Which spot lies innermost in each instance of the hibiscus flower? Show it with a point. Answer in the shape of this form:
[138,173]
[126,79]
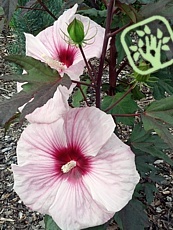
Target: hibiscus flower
[75,169]
[53,47]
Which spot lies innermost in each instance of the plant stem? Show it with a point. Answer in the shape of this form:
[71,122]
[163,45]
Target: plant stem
[122,66]
[85,99]
[120,99]
[127,115]
[112,67]
[86,63]
[83,83]
[46,9]
[119,30]
[104,48]
[29,8]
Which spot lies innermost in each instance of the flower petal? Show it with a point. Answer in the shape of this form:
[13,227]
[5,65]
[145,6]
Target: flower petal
[35,48]
[43,189]
[53,109]
[71,206]
[89,128]
[38,142]
[47,38]
[75,209]
[60,26]
[74,71]
[36,185]
[114,176]
[36,176]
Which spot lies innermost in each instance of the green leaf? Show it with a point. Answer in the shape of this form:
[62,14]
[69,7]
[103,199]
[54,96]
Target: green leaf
[147,30]
[165,48]
[146,1]
[37,71]
[41,84]
[50,223]
[156,8]
[149,189]
[160,87]
[100,227]
[1,19]
[149,143]
[133,216]
[136,93]
[164,84]
[128,10]
[125,106]
[159,116]
[119,47]
[68,4]
[77,95]
[9,7]
[9,107]
[128,1]
[98,16]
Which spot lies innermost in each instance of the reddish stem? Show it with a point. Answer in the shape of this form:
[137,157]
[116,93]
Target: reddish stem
[127,115]
[112,67]
[122,66]
[82,92]
[102,58]
[84,83]
[119,30]
[86,63]
[46,9]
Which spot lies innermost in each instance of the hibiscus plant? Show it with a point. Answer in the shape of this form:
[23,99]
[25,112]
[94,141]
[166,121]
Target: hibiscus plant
[87,156]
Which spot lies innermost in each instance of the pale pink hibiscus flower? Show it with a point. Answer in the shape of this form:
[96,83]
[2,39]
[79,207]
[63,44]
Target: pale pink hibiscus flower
[75,169]
[52,47]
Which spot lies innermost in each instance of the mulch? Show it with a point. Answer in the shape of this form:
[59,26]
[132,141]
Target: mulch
[15,215]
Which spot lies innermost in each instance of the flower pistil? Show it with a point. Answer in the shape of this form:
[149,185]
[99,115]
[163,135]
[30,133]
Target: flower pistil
[69,166]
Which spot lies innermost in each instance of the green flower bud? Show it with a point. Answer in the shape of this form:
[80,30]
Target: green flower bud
[76,31]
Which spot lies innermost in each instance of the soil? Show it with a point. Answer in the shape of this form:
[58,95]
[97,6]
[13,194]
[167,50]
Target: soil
[15,215]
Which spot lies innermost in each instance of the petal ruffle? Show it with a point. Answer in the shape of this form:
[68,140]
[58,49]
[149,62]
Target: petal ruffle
[113,177]
[53,109]
[89,128]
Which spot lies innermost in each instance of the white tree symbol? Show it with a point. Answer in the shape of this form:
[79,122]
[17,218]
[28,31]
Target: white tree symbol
[154,45]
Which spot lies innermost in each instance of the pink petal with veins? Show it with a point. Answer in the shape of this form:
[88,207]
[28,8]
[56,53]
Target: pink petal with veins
[100,183]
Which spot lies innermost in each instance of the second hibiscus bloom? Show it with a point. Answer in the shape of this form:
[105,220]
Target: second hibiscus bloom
[53,47]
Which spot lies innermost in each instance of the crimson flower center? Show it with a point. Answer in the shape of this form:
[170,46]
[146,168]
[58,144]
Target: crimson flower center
[67,55]
[70,160]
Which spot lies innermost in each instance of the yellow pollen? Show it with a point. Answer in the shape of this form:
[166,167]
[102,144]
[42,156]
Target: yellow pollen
[67,167]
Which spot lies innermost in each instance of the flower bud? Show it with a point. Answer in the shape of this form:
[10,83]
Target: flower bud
[76,31]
